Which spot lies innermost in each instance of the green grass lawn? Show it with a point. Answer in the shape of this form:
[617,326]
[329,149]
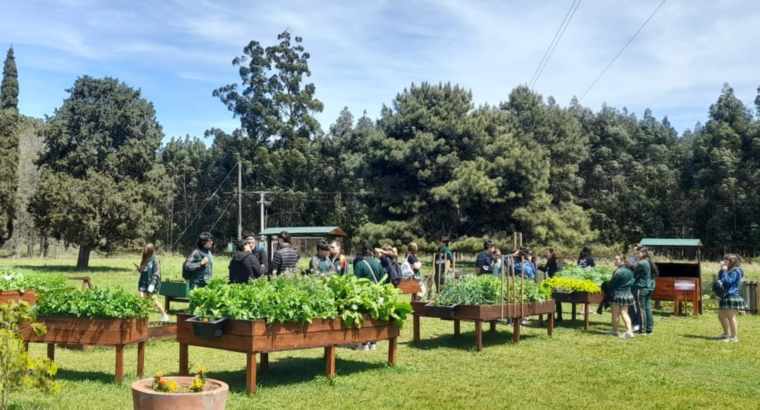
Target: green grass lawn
[679,367]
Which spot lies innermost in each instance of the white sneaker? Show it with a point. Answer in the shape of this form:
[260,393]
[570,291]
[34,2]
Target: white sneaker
[611,332]
[731,340]
[627,335]
[636,328]
[165,318]
[723,337]
[373,347]
[365,348]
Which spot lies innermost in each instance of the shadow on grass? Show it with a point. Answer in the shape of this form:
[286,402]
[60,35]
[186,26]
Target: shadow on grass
[699,337]
[466,341]
[294,370]
[71,269]
[104,377]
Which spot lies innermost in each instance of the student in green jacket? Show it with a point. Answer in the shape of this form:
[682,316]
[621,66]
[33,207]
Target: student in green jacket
[150,278]
[368,268]
[443,261]
[200,263]
[620,296]
[643,287]
[321,264]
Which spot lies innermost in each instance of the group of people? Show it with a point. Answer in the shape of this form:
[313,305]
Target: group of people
[629,291]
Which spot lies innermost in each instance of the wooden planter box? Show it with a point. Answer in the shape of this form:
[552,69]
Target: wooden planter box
[162,330]
[252,337]
[94,332]
[488,313]
[29,296]
[584,298]
[410,287]
[175,289]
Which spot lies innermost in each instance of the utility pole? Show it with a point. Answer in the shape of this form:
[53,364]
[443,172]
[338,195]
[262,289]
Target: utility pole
[263,203]
[240,198]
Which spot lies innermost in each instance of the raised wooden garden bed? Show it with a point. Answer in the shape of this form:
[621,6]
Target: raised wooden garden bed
[29,296]
[94,332]
[162,330]
[255,337]
[174,292]
[410,287]
[584,298]
[485,313]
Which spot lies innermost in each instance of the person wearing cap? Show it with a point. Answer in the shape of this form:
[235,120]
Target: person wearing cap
[442,260]
[484,262]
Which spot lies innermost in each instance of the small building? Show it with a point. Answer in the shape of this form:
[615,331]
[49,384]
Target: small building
[303,238]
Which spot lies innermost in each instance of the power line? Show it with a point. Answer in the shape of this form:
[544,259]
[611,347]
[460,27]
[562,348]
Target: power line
[621,50]
[555,41]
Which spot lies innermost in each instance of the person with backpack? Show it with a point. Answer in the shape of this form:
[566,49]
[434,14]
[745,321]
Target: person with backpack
[149,283]
[410,269]
[199,265]
[244,264]
[484,262]
[259,251]
[321,264]
[368,268]
[337,258]
[727,288]
[388,260]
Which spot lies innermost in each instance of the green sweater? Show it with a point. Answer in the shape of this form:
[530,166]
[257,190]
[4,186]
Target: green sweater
[621,282]
[151,275]
[442,255]
[362,271]
[200,274]
[643,278]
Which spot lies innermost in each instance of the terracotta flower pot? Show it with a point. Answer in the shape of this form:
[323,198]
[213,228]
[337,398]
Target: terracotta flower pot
[145,398]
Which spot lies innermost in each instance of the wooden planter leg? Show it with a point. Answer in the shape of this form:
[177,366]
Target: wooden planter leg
[330,361]
[392,348]
[140,358]
[183,363]
[26,346]
[51,350]
[167,302]
[119,363]
[264,361]
[541,319]
[457,329]
[585,314]
[551,325]
[250,373]
[573,312]
[516,330]
[479,335]
[492,326]
[416,322]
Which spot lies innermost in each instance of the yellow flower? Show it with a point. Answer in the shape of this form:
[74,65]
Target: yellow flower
[159,374]
[201,368]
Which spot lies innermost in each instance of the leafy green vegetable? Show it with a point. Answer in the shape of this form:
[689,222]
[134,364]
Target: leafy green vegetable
[107,303]
[569,284]
[299,299]
[597,275]
[487,290]
[12,280]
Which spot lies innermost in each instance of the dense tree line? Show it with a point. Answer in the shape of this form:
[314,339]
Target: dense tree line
[433,164]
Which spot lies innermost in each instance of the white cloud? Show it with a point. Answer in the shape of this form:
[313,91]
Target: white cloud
[363,53]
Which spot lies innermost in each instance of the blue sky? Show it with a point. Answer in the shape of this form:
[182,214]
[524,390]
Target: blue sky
[365,52]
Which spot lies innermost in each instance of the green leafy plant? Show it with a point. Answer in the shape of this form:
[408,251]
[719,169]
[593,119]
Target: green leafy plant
[568,284]
[358,297]
[94,303]
[12,280]
[597,275]
[488,290]
[17,369]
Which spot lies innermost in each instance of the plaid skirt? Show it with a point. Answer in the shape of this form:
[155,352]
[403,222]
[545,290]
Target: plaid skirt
[733,302]
[622,299]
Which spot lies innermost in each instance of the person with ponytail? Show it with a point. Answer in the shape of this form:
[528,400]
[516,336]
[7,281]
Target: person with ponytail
[728,283]
[150,278]
[620,296]
[643,287]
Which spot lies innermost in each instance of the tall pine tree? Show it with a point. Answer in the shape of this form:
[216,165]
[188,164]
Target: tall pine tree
[9,123]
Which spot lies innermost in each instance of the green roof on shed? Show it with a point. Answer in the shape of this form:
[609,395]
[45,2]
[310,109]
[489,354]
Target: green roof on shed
[692,243]
[306,231]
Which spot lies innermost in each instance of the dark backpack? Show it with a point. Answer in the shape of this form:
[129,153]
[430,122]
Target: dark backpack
[187,273]
[394,272]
